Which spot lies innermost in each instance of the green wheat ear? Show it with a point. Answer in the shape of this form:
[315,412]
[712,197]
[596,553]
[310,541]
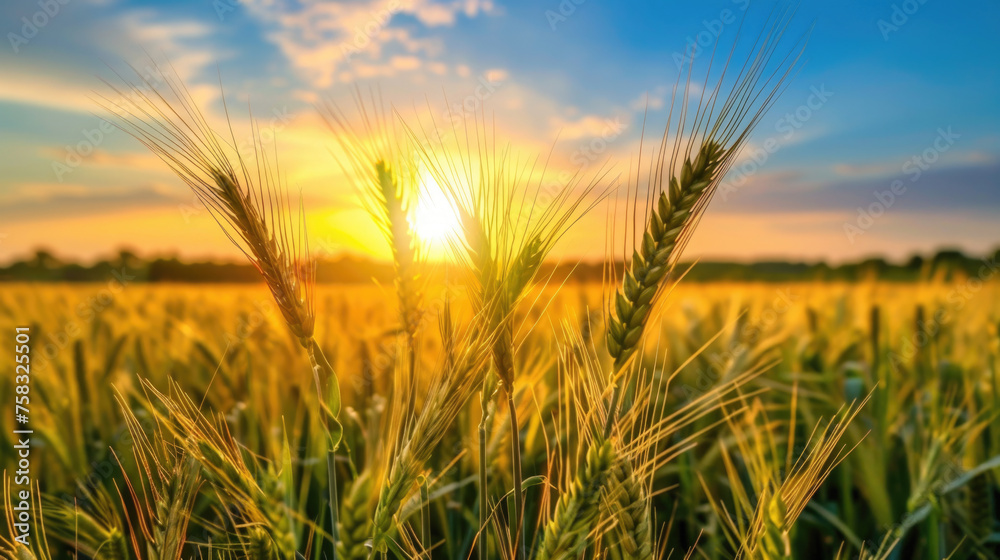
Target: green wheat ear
[578,508]
[652,260]
[356,519]
[635,539]
[774,541]
[260,546]
[20,552]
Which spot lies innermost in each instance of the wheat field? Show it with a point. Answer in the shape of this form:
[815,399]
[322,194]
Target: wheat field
[919,477]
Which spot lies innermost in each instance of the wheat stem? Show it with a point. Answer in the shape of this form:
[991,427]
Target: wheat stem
[517,522]
[425,517]
[483,494]
[486,402]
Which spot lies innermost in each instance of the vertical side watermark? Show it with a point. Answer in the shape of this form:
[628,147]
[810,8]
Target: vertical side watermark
[22,476]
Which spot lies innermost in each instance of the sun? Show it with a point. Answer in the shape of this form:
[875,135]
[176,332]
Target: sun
[434,218]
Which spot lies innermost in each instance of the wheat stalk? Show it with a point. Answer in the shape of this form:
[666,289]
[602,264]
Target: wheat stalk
[646,435]
[376,158]
[682,179]
[247,200]
[506,234]
[782,490]
[448,392]
[250,204]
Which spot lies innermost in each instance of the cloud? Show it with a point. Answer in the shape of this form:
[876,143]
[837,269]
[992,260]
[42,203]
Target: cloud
[70,87]
[652,100]
[590,126]
[887,169]
[968,187]
[330,41]
[35,201]
[48,91]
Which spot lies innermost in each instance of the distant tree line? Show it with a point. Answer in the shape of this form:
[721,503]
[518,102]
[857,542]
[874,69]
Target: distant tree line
[945,265]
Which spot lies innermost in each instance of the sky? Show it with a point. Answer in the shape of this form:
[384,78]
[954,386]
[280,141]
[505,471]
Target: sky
[885,141]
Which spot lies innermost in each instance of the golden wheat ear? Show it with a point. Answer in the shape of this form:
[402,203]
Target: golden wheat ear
[376,156]
[243,192]
[702,139]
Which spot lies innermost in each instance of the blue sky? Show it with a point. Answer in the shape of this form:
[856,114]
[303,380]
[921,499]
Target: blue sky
[882,82]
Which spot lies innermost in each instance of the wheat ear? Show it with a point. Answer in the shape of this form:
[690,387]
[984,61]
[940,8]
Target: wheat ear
[507,232]
[682,179]
[773,541]
[448,393]
[632,512]
[578,507]
[651,261]
[250,203]
[356,519]
[221,462]
[97,533]
[376,157]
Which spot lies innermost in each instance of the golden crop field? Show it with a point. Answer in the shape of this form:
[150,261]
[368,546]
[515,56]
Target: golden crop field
[188,414]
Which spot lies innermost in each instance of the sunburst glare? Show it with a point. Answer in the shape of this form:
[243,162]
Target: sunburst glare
[434,217]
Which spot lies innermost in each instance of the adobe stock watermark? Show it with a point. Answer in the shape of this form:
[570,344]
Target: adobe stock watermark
[223,7]
[486,87]
[264,135]
[696,44]
[32,25]
[563,11]
[75,154]
[786,128]
[899,17]
[590,151]
[913,168]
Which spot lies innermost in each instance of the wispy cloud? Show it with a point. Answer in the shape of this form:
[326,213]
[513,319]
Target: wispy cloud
[34,201]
